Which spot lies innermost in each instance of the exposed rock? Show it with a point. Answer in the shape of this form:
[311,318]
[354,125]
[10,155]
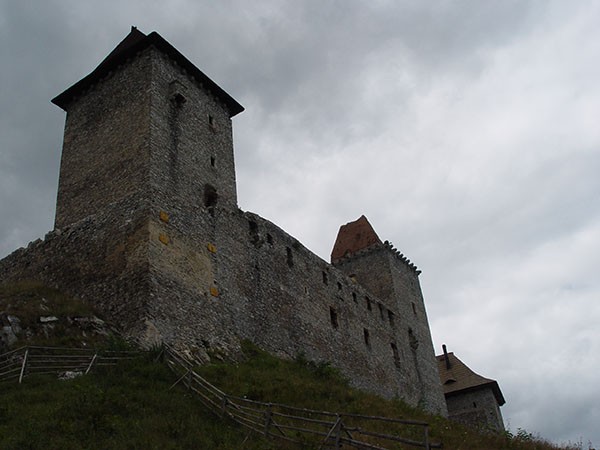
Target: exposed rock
[10,326]
[69,375]
[48,319]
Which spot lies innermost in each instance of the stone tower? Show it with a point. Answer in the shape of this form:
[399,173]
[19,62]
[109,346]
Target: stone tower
[145,126]
[389,275]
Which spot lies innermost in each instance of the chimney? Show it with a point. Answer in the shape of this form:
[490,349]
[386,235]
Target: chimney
[446,358]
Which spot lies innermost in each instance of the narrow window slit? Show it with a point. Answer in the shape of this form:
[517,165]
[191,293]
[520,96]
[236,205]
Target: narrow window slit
[333,317]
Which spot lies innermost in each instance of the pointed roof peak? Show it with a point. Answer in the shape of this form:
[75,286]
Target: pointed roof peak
[132,44]
[353,237]
[134,37]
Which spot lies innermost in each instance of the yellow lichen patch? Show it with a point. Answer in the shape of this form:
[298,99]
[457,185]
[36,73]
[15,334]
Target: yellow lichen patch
[164,238]
[164,217]
[214,291]
[211,248]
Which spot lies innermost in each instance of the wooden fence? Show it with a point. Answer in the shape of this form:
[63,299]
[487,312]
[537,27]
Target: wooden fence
[303,426]
[318,429]
[25,361]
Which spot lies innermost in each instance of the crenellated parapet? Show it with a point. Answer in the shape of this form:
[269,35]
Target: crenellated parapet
[400,256]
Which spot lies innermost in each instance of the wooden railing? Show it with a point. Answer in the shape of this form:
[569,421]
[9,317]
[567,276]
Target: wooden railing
[318,429]
[25,361]
[304,426]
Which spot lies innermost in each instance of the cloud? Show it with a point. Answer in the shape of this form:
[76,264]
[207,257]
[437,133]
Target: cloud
[465,131]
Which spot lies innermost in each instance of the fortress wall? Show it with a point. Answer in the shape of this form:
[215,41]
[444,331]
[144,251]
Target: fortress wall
[411,306]
[398,283]
[477,407]
[102,259]
[204,281]
[236,275]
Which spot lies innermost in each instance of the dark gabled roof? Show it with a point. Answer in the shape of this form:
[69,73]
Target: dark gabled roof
[352,237]
[133,43]
[459,378]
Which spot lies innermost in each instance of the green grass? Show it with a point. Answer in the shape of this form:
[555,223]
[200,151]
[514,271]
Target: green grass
[128,407]
[131,406]
[30,300]
[304,384]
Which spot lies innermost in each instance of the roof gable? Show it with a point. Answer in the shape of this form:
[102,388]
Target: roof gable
[458,378]
[352,237]
[135,42]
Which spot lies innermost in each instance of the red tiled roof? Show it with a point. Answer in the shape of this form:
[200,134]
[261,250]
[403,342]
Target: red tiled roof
[459,378]
[352,237]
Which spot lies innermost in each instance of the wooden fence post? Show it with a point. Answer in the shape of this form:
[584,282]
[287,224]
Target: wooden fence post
[268,419]
[91,363]
[338,434]
[23,366]
[224,405]
[427,447]
[335,429]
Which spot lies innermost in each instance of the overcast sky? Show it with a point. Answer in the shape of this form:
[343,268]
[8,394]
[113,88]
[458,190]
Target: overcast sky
[466,131]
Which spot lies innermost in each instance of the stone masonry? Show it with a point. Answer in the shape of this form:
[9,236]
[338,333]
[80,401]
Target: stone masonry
[148,229]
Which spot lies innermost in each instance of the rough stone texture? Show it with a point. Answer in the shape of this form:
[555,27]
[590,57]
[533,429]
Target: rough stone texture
[9,329]
[106,144]
[148,228]
[477,408]
[392,279]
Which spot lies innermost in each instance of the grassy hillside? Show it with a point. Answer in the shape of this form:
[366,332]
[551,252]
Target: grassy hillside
[131,406]
[47,315]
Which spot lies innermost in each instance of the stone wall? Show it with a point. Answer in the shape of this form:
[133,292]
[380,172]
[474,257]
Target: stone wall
[390,276]
[102,259]
[190,140]
[106,143]
[476,408]
[202,280]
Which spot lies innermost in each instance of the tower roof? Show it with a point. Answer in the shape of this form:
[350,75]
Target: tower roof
[352,237]
[133,43]
[456,377]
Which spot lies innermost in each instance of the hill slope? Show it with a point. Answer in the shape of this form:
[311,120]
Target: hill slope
[132,405]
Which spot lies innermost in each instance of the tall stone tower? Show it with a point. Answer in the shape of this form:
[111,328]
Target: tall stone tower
[389,275]
[145,126]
